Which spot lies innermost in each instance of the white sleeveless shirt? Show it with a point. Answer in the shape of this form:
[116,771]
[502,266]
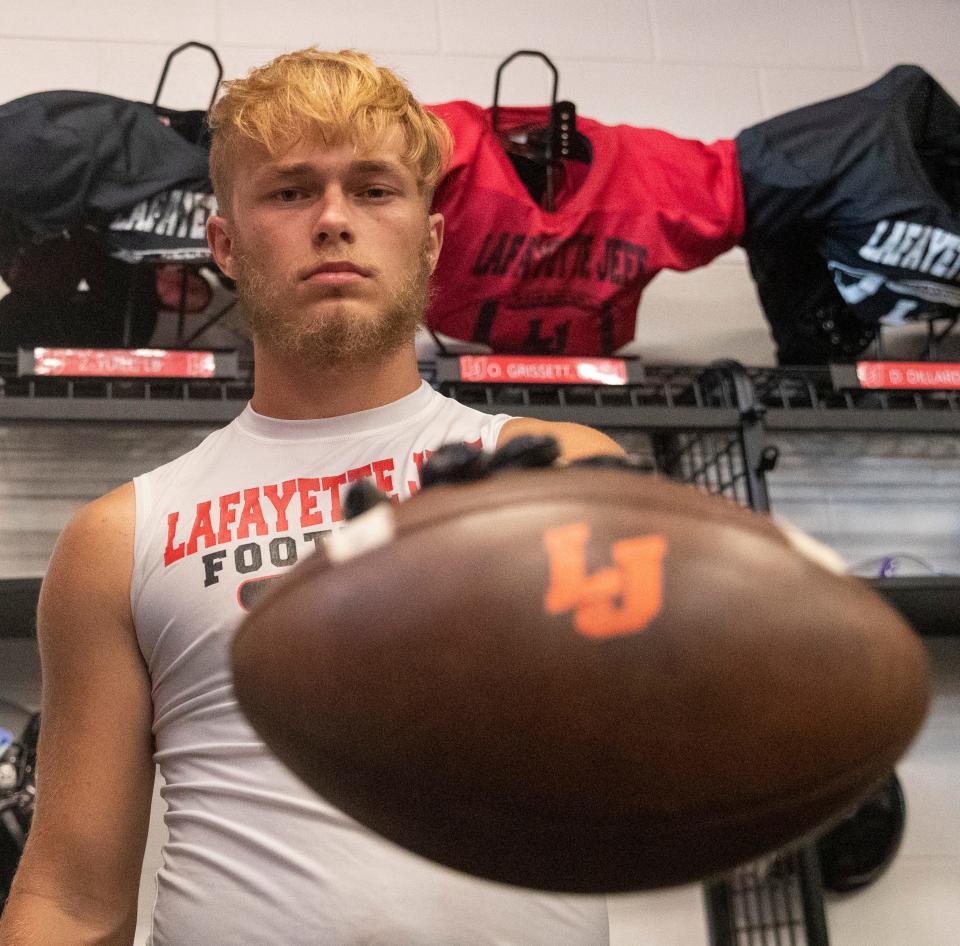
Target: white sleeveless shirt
[253,856]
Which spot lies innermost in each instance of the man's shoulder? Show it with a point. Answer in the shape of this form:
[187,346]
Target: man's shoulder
[93,554]
[111,513]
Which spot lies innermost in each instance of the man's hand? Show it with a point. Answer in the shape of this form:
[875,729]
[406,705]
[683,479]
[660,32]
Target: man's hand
[459,463]
[573,440]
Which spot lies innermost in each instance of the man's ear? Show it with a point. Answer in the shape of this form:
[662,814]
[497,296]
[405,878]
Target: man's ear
[220,241]
[434,239]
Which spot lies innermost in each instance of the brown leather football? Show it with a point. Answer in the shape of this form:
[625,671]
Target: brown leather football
[581,679]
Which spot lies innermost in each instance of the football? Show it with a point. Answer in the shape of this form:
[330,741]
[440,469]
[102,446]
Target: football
[579,679]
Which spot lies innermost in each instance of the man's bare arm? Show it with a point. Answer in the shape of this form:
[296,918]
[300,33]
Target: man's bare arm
[79,876]
[575,440]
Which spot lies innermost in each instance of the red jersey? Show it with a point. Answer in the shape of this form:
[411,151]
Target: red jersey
[522,279]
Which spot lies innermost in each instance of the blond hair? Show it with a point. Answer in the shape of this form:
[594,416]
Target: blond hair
[330,98]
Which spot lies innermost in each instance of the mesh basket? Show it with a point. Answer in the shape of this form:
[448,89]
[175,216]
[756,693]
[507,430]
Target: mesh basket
[778,901]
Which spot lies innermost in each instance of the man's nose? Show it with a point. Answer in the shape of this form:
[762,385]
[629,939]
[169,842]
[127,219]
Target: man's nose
[333,220]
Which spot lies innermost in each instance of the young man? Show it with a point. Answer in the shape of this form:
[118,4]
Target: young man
[323,166]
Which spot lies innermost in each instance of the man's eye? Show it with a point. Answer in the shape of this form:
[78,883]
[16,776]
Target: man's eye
[288,195]
[376,193]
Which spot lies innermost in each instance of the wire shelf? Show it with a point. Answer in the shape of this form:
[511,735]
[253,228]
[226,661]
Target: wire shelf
[667,397]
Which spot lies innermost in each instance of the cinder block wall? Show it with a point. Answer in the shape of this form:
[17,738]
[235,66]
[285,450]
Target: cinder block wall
[698,68]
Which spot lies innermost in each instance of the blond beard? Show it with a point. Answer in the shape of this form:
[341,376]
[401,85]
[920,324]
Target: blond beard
[335,337]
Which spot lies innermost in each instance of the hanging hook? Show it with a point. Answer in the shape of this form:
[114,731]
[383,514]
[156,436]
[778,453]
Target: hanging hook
[553,95]
[551,126]
[176,52]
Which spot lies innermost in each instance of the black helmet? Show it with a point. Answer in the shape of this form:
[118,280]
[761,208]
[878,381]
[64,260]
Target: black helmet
[19,730]
[858,849]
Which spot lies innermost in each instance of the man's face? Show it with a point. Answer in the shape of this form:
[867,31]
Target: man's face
[331,248]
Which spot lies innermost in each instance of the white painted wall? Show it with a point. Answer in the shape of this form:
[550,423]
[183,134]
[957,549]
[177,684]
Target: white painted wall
[698,68]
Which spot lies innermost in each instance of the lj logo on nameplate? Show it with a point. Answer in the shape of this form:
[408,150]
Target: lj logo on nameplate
[611,602]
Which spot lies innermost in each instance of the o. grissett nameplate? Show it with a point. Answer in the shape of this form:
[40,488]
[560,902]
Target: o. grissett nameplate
[534,369]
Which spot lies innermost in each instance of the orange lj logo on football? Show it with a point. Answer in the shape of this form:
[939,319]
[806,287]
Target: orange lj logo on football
[611,602]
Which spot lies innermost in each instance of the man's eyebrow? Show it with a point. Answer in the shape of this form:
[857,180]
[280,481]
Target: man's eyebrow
[368,166]
[301,169]
[284,171]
